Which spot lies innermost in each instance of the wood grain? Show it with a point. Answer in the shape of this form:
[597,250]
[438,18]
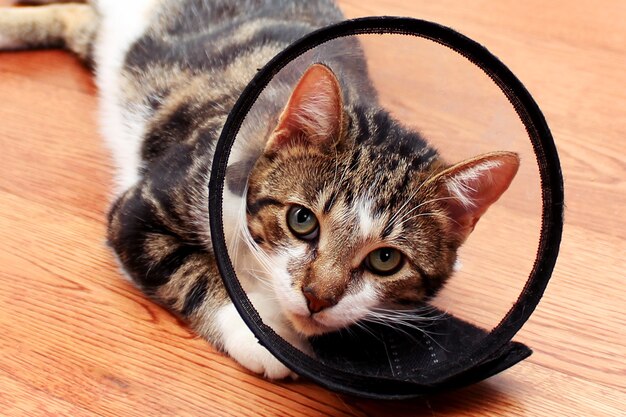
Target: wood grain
[79,340]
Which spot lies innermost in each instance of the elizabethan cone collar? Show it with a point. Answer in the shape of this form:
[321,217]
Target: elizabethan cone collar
[383,362]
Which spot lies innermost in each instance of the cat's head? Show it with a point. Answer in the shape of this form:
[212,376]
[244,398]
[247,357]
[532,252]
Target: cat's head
[353,212]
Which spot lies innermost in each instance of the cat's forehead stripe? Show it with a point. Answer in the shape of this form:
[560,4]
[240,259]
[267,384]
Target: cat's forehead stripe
[366,221]
[371,224]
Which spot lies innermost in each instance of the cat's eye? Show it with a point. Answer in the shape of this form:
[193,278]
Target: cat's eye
[303,223]
[384,261]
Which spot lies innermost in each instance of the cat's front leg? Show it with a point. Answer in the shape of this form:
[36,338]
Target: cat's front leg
[147,241]
[239,342]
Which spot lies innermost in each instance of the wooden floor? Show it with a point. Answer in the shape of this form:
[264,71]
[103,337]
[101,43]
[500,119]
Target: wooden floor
[76,339]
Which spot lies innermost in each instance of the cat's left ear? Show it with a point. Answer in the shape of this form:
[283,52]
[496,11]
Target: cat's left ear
[471,186]
[314,113]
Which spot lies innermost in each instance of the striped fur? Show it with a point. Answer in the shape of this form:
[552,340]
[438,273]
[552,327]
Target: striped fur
[169,72]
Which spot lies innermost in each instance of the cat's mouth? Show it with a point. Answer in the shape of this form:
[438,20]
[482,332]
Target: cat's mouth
[310,325]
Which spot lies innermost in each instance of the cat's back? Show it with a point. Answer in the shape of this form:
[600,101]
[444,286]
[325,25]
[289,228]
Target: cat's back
[210,35]
[212,16]
[183,74]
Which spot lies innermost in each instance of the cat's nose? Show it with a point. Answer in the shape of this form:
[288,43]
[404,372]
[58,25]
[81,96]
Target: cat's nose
[314,302]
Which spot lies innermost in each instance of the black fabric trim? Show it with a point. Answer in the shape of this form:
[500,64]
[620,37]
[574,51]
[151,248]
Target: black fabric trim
[490,354]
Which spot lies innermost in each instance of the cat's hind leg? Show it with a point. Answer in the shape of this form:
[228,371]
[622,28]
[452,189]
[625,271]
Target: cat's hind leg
[70,26]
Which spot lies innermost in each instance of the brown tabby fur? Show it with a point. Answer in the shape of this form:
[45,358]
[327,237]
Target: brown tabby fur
[183,77]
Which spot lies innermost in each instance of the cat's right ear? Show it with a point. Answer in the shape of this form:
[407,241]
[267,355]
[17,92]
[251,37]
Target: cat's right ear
[471,186]
[314,113]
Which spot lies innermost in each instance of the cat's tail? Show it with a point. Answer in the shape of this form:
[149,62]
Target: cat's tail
[70,26]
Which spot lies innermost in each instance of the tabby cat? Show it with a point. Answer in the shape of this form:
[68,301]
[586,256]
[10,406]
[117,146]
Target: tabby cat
[345,212]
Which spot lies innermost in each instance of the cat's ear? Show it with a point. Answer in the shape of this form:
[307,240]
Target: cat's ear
[471,186]
[314,113]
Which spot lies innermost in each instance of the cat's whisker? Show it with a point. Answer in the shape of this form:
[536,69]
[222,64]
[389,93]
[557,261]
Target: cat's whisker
[266,283]
[426,308]
[408,318]
[261,272]
[262,258]
[259,275]
[402,322]
[422,327]
[406,202]
[390,317]
[411,196]
[426,333]
[398,328]
[362,325]
[433,200]
[413,217]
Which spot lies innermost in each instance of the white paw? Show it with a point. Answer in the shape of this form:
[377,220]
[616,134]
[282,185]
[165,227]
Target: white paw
[245,349]
[239,342]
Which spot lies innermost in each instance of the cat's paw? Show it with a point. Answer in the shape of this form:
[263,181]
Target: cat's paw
[245,349]
[239,342]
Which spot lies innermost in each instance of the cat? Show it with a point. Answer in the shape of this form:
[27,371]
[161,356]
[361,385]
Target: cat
[345,211]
